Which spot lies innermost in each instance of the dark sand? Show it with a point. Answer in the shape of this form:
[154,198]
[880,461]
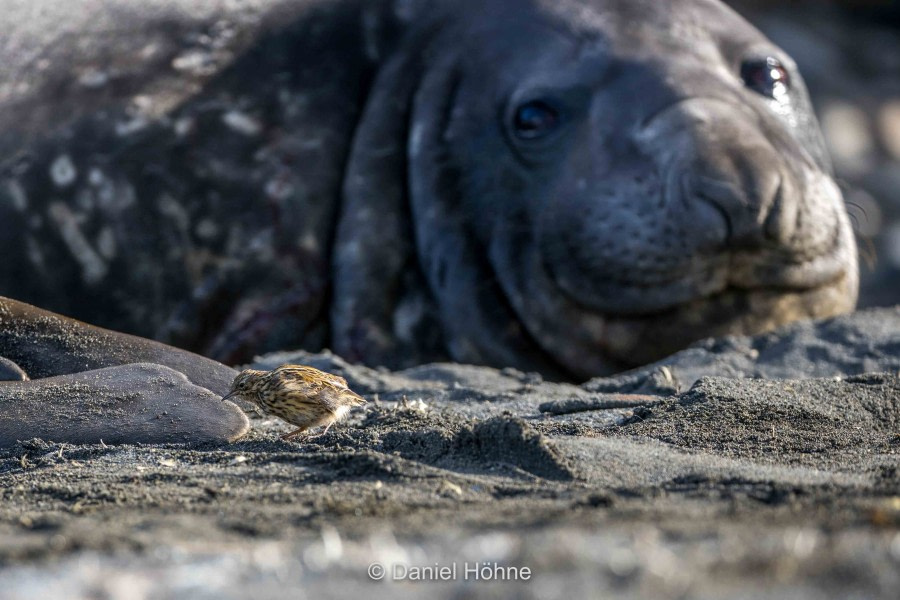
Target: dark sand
[737,487]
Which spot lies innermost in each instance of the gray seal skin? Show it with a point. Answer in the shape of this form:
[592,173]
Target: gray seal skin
[574,187]
[67,381]
[134,403]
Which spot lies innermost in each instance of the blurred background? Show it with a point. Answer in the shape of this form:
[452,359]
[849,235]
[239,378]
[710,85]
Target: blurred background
[849,54]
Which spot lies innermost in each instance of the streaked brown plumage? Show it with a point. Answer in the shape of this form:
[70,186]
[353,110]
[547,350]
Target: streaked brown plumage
[302,396]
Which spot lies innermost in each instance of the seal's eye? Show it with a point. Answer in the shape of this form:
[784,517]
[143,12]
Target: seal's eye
[766,76]
[535,119]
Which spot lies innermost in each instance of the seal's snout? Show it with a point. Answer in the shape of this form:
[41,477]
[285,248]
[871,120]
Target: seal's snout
[724,169]
[748,191]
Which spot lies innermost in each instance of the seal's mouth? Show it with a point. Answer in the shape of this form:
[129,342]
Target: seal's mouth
[645,338]
[629,340]
[704,281]
[657,281]
[737,293]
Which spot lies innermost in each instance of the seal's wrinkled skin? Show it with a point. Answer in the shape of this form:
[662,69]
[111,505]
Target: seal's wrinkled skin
[573,187]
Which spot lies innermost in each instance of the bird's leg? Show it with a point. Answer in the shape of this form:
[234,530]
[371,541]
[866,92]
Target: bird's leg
[327,427]
[293,434]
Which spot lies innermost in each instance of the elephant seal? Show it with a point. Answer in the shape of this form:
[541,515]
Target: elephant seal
[574,187]
[10,371]
[67,381]
[135,403]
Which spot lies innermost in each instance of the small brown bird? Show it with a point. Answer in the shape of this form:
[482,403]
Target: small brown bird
[302,396]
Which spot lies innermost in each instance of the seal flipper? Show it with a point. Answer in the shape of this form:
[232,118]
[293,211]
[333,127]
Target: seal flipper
[377,284]
[10,371]
[135,403]
[45,344]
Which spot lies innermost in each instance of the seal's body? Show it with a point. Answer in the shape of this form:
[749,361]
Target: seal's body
[572,187]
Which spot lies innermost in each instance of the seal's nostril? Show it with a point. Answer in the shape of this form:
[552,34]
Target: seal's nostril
[711,224]
[781,220]
[748,196]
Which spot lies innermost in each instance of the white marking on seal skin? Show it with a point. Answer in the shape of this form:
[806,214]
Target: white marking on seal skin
[242,123]
[17,195]
[415,139]
[96,177]
[309,242]
[149,51]
[407,317]
[261,245]
[313,143]
[106,243]
[370,33]
[141,104]
[84,198]
[206,229]
[279,189]
[195,62]
[404,9]
[132,126]
[93,79]
[169,207]
[33,250]
[63,171]
[350,251]
[93,269]
[111,198]
[183,126]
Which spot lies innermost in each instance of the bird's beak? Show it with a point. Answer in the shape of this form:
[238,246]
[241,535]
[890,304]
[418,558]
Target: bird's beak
[229,395]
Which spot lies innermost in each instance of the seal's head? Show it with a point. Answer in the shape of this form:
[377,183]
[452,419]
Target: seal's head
[597,183]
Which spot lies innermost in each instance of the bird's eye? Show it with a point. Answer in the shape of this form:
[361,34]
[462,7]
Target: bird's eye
[766,76]
[535,119]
